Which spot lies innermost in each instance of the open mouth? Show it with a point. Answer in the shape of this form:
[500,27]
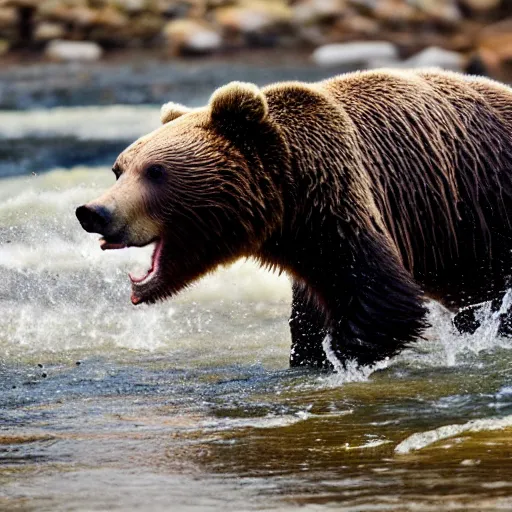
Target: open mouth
[155,265]
[140,284]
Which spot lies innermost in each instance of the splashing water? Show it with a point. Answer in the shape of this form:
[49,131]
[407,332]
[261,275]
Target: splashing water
[457,345]
[487,332]
[351,371]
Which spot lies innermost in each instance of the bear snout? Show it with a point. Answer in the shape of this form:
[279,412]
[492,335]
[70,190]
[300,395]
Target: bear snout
[94,219]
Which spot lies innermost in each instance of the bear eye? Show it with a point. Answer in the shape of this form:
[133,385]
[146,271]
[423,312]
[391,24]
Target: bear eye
[117,171]
[155,172]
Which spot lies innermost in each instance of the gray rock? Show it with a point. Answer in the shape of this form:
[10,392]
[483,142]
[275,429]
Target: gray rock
[69,51]
[346,54]
[436,57]
[191,36]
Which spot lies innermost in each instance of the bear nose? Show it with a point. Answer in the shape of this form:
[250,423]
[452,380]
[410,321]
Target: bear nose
[93,219]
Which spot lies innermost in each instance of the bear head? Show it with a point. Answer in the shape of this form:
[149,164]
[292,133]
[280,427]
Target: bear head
[205,188]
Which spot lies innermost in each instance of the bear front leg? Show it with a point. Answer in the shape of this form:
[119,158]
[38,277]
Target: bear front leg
[307,326]
[365,306]
[375,309]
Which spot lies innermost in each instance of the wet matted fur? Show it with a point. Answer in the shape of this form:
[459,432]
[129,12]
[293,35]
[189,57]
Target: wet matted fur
[373,190]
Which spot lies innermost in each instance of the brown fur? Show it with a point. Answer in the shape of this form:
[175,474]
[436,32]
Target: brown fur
[438,145]
[365,188]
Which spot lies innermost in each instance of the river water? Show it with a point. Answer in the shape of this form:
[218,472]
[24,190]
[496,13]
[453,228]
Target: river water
[189,404]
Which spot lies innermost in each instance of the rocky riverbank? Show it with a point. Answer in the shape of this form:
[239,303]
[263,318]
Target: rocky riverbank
[480,29]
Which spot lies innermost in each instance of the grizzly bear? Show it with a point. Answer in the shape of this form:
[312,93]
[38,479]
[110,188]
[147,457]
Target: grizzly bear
[373,190]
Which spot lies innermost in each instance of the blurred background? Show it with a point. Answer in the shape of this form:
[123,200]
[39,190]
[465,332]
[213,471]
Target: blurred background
[461,34]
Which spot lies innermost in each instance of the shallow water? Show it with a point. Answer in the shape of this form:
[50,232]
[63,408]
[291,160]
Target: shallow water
[189,404]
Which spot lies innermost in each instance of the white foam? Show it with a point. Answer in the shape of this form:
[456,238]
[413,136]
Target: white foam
[421,440]
[374,443]
[348,372]
[355,373]
[118,122]
[265,422]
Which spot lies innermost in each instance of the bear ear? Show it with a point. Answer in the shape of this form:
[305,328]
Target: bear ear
[238,102]
[171,111]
